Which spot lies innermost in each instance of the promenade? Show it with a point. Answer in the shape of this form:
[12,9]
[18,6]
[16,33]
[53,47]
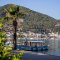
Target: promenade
[39,56]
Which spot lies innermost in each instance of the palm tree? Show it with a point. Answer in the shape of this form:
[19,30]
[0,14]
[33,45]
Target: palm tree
[14,14]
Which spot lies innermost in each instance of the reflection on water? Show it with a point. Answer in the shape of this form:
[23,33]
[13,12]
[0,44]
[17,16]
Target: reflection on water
[54,47]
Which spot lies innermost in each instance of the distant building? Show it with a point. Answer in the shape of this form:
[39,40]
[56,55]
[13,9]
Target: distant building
[53,35]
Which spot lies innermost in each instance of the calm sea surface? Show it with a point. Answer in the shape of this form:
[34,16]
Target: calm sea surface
[54,47]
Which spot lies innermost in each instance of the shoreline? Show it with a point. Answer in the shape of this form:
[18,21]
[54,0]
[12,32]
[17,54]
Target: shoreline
[39,56]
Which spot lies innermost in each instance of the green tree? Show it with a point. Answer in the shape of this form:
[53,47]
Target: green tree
[5,51]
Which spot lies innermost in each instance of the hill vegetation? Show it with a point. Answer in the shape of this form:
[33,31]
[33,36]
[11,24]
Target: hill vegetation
[32,21]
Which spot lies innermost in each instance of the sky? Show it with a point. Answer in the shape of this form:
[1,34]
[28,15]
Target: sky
[49,7]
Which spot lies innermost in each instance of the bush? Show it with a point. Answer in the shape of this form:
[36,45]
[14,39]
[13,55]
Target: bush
[5,51]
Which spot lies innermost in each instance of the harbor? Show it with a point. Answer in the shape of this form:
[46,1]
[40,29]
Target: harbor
[39,56]
[49,46]
[29,30]
[32,45]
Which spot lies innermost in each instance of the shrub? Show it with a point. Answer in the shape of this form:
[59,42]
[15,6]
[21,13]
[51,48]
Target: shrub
[5,51]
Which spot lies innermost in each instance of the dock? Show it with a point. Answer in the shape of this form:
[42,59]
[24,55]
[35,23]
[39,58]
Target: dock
[39,56]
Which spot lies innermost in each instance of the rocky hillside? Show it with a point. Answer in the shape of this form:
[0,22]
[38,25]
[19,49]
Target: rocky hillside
[32,21]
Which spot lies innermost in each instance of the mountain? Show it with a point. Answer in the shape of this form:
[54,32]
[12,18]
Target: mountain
[32,20]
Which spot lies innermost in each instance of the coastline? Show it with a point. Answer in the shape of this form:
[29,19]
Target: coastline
[39,56]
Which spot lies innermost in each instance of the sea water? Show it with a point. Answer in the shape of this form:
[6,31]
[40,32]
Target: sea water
[54,47]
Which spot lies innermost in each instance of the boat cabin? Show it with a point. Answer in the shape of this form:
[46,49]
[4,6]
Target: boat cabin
[33,45]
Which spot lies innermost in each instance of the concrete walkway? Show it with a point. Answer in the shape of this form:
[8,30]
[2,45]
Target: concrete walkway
[39,56]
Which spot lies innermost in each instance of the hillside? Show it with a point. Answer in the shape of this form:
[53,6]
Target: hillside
[32,21]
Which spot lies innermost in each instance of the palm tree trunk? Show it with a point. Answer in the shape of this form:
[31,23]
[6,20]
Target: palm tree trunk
[15,35]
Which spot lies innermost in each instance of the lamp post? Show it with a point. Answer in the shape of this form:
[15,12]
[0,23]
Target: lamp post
[15,35]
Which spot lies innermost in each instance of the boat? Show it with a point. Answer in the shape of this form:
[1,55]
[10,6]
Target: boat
[33,45]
